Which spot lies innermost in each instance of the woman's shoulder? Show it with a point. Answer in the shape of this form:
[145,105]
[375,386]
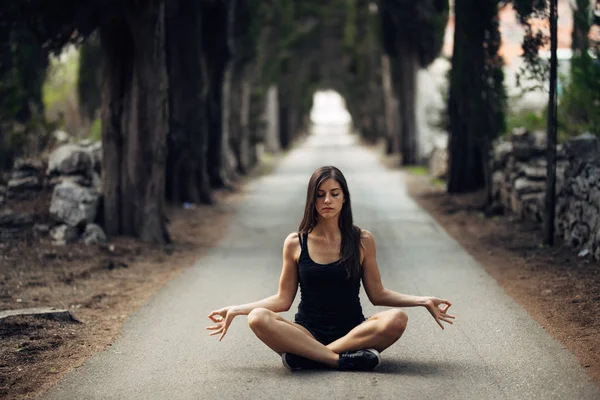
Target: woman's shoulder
[291,245]
[366,238]
[292,241]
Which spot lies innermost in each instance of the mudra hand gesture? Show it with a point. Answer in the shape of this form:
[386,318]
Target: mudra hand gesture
[222,318]
[432,304]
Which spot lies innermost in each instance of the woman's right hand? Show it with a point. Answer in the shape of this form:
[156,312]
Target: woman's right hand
[222,319]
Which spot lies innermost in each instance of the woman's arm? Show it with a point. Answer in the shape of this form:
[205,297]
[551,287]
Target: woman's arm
[288,282]
[380,296]
[282,301]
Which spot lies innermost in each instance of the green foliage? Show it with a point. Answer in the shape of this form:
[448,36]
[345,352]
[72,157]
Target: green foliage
[534,71]
[60,90]
[579,105]
[421,23]
[417,170]
[530,120]
[350,26]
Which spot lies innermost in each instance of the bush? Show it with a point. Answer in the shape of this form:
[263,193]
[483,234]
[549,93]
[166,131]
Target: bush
[530,120]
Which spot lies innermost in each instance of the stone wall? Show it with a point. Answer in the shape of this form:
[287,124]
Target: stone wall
[519,173]
[72,171]
[519,184]
[518,163]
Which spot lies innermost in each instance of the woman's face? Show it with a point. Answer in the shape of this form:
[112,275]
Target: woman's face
[330,199]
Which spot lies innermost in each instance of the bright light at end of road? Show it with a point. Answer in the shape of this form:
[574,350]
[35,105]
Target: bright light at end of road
[329,108]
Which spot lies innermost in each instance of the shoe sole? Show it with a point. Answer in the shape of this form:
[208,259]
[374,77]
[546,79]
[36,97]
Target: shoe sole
[378,356]
[285,364]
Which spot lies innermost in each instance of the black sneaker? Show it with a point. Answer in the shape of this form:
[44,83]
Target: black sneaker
[294,362]
[361,360]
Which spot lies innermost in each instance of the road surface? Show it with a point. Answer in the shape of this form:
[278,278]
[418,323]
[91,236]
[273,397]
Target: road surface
[493,351]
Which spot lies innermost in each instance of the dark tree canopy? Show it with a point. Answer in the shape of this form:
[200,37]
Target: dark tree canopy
[184,83]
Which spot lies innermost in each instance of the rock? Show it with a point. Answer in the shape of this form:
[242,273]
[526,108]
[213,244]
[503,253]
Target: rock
[579,234]
[61,137]
[532,206]
[31,183]
[25,178]
[497,183]
[69,159]
[22,174]
[540,139]
[33,165]
[85,143]
[535,173]
[73,204]
[501,151]
[584,147]
[93,234]
[81,180]
[41,229]
[52,313]
[96,182]
[95,151]
[525,145]
[10,219]
[63,234]
[13,225]
[438,163]
[524,186]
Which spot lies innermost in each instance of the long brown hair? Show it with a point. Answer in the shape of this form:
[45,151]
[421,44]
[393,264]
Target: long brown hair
[350,246]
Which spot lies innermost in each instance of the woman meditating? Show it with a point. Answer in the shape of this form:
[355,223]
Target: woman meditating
[328,257]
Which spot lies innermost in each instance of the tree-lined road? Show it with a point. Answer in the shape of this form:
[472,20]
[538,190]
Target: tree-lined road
[493,351]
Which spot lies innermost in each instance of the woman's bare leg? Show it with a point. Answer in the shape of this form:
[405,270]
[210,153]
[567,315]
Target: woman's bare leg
[378,332]
[284,336]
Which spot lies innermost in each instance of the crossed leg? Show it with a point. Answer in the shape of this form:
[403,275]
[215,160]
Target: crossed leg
[379,332]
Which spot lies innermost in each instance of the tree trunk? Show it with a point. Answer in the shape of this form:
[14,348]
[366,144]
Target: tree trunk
[550,203]
[246,157]
[285,138]
[239,120]
[135,125]
[272,141]
[580,41]
[229,121]
[390,107]
[215,26]
[408,66]
[466,164]
[187,175]
[477,97]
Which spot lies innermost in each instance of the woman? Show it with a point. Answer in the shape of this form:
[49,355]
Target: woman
[328,257]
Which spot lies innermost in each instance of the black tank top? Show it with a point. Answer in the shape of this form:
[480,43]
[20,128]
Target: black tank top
[328,296]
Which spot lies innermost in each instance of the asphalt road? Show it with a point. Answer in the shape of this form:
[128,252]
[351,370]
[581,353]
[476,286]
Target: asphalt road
[493,351]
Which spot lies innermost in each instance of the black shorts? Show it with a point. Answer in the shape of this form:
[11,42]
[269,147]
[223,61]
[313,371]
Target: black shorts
[326,334]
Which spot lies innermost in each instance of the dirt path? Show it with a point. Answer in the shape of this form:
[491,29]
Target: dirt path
[100,285]
[557,288]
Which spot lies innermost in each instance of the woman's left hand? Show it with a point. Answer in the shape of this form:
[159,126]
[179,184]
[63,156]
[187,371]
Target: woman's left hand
[432,304]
